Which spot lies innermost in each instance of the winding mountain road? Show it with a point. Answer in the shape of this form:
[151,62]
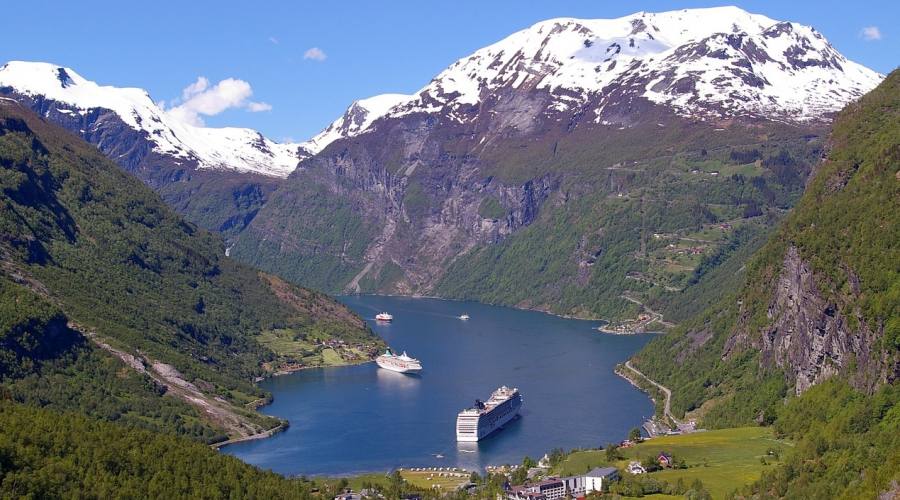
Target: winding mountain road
[668,404]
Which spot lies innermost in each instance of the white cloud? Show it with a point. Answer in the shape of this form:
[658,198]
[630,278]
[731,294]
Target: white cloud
[274,40]
[195,88]
[870,33]
[255,107]
[200,99]
[315,53]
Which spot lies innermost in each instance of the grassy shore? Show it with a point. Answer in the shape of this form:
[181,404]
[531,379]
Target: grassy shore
[723,459]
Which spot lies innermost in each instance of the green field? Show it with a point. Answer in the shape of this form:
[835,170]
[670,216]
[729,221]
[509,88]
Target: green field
[331,358]
[307,347]
[450,481]
[723,459]
[286,342]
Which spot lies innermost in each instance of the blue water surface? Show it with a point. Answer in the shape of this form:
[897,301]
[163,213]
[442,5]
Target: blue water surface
[361,418]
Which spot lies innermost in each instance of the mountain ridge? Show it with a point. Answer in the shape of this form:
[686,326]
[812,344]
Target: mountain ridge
[462,190]
[227,148]
[565,55]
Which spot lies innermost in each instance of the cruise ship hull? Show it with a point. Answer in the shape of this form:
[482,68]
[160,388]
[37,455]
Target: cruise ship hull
[473,427]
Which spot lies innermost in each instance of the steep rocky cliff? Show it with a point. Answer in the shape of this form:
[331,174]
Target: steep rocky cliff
[822,298]
[812,335]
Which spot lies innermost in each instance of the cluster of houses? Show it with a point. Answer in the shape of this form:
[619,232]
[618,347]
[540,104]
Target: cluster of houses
[548,488]
[565,487]
[685,251]
[663,459]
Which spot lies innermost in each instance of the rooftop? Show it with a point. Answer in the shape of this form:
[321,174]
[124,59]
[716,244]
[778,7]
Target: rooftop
[602,472]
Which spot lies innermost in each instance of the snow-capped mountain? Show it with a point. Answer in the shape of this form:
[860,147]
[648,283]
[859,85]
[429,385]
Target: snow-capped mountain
[413,194]
[63,91]
[716,62]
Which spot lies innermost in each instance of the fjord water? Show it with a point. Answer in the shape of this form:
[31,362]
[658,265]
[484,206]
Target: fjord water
[362,419]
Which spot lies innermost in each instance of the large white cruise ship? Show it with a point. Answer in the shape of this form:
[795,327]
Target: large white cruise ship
[474,424]
[402,363]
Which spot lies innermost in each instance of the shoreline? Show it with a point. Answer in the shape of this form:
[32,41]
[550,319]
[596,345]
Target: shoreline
[253,437]
[281,373]
[434,297]
[602,328]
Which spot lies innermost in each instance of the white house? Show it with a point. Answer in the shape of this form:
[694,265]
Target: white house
[599,477]
[636,468]
[553,488]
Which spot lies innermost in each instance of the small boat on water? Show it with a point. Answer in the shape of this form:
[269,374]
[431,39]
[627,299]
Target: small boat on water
[402,363]
[383,316]
[464,317]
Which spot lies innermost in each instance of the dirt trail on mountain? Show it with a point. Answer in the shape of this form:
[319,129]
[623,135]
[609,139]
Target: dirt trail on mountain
[213,408]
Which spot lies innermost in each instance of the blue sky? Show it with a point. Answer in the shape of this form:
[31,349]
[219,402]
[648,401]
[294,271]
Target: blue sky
[365,47]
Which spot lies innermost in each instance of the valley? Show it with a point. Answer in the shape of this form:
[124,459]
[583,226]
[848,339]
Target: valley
[684,219]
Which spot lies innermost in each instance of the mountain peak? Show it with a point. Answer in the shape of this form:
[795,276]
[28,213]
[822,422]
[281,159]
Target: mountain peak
[358,117]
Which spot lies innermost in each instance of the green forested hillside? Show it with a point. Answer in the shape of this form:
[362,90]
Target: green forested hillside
[845,445]
[846,220]
[45,454]
[95,263]
[737,362]
[45,363]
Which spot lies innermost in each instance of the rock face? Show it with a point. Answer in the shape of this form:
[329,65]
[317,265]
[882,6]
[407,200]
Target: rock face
[811,338]
[418,205]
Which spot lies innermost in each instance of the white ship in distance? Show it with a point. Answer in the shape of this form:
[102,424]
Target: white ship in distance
[383,316]
[478,422]
[402,363]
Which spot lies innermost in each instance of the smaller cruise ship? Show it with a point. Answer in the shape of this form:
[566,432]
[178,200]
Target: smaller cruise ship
[464,317]
[402,363]
[383,316]
[476,423]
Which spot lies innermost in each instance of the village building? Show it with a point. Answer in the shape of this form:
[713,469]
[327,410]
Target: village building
[548,489]
[599,478]
[635,467]
[572,486]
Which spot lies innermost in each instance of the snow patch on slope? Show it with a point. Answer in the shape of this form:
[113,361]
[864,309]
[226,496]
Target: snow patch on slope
[357,119]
